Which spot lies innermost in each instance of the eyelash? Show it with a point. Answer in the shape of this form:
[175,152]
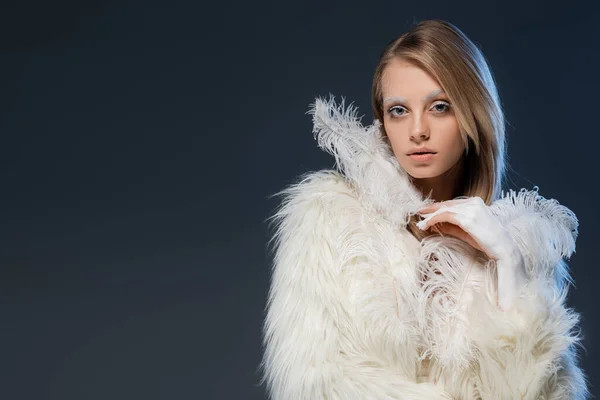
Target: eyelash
[445,103]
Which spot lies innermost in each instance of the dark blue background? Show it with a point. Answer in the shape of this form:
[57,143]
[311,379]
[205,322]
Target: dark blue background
[140,141]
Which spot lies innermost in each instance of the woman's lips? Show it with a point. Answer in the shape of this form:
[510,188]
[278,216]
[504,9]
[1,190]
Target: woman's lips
[422,157]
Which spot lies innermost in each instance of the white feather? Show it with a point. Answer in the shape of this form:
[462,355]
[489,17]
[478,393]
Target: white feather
[363,157]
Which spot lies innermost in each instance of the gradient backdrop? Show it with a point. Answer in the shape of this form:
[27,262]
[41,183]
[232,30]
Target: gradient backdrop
[140,143]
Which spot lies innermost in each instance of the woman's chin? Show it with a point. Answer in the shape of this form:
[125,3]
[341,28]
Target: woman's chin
[422,174]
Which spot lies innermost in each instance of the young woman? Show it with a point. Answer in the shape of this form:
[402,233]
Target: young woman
[407,273]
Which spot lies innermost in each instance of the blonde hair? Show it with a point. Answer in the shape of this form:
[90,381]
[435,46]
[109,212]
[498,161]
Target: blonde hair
[444,52]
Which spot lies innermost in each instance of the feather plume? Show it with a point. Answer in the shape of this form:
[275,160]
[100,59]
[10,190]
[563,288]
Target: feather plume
[365,159]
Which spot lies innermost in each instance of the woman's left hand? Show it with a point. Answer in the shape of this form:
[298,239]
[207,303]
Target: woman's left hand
[472,221]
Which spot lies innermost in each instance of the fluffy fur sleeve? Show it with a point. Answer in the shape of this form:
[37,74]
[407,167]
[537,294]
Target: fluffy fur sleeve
[529,352]
[310,351]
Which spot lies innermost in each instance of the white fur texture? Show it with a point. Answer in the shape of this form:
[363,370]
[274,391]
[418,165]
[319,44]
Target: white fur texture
[350,316]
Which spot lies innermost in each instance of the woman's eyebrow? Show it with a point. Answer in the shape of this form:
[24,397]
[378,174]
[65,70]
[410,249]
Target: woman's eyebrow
[432,95]
[403,100]
[394,99]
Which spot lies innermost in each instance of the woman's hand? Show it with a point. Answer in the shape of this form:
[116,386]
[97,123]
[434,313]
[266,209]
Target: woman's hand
[471,221]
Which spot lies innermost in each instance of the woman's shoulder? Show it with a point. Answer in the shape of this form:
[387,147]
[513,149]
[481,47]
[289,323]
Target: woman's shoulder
[324,190]
[545,229]
[525,204]
[321,205]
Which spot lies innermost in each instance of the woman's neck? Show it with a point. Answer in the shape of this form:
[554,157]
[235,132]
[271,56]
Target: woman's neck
[443,187]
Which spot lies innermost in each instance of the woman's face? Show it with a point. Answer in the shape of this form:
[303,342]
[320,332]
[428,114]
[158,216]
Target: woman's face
[418,117]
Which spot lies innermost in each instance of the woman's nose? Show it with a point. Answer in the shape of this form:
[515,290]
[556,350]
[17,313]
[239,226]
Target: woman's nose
[419,130]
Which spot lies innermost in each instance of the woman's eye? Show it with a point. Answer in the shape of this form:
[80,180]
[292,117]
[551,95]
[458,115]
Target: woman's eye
[441,107]
[396,111]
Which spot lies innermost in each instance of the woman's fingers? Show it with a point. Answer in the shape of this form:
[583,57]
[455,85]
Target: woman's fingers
[446,216]
[446,224]
[435,206]
[448,229]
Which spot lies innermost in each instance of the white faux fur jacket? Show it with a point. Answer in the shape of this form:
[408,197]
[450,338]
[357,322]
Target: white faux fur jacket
[360,309]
